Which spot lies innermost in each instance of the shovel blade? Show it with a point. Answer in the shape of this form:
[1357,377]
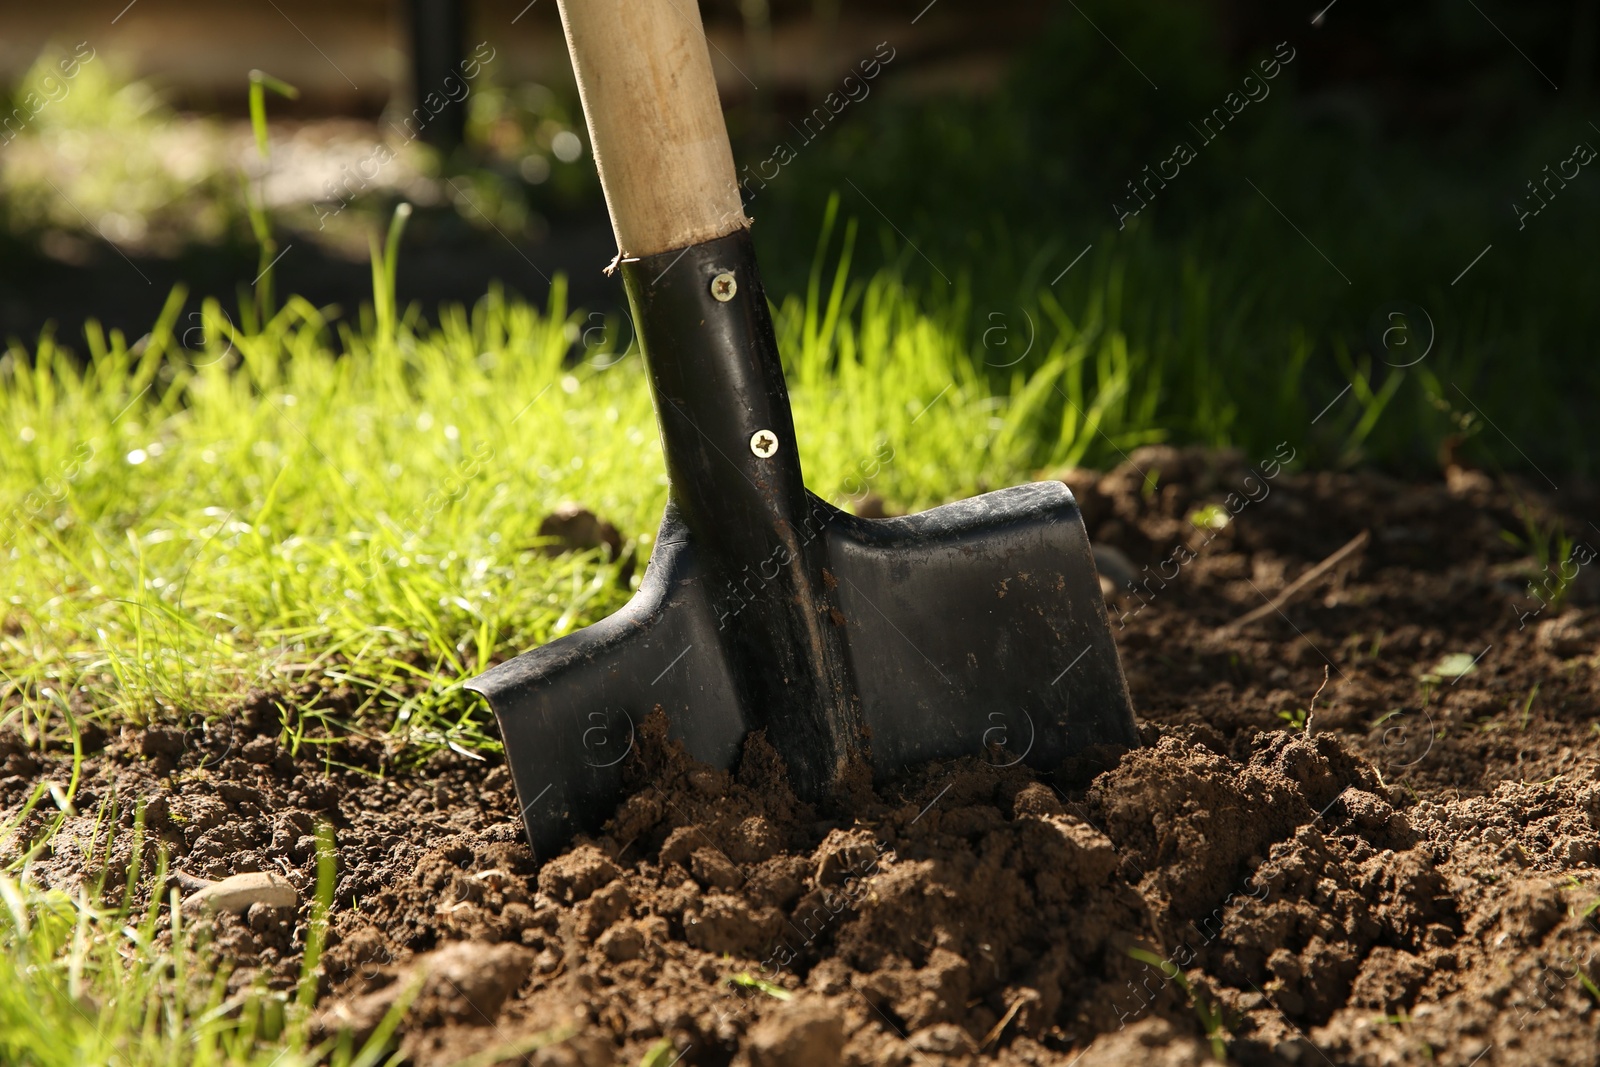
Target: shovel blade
[979,628]
[976,628]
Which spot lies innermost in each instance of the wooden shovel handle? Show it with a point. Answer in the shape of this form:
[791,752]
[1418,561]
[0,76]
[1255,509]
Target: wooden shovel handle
[655,122]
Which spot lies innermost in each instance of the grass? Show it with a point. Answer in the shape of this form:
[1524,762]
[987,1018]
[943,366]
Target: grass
[255,201]
[1282,256]
[1209,1015]
[1527,708]
[1208,319]
[104,158]
[354,504]
[659,1054]
[1294,719]
[746,980]
[1551,552]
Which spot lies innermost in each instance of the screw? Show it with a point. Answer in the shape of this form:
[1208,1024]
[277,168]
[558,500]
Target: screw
[723,286]
[764,443]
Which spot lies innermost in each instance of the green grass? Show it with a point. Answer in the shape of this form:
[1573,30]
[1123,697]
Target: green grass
[1268,273]
[746,980]
[356,505]
[150,177]
[1209,1015]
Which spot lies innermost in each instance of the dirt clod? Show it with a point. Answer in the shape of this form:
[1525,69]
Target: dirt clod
[798,1034]
[574,528]
[574,876]
[1150,1043]
[468,983]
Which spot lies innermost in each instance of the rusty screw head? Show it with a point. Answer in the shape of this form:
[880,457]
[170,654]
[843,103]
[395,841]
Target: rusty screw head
[764,443]
[723,286]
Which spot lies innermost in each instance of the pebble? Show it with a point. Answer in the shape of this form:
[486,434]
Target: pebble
[237,893]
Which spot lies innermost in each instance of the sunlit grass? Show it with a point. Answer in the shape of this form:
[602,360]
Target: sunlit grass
[212,509]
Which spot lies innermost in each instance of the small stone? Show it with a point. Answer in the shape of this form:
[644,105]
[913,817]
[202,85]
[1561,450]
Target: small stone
[944,1039]
[238,893]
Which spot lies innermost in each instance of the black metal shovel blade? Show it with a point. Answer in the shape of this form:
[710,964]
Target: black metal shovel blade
[976,628]
[979,628]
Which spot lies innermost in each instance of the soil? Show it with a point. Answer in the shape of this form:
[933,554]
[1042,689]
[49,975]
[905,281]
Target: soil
[1338,843]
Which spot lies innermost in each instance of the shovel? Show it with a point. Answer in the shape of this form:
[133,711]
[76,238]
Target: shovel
[977,628]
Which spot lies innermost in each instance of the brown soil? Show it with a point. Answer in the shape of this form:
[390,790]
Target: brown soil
[1408,877]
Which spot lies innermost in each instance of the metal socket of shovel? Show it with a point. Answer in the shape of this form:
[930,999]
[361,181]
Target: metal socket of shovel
[977,628]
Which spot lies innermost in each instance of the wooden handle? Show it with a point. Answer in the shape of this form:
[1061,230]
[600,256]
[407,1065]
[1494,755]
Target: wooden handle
[644,74]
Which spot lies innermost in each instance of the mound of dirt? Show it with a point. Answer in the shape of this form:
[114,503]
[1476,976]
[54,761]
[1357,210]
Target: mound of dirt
[1398,868]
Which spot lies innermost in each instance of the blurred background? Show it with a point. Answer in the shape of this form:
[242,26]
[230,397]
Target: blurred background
[1373,220]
